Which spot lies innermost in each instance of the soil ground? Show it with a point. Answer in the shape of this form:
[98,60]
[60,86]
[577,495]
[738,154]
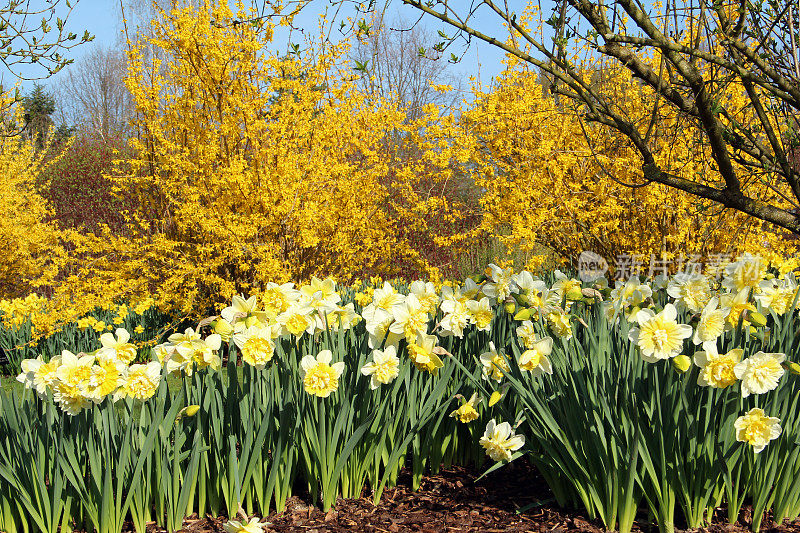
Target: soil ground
[453,501]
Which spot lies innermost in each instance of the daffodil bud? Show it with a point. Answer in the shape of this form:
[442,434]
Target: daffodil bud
[521,298]
[223,328]
[757,319]
[510,307]
[189,410]
[495,397]
[575,293]
[479,278]
[681,363]
[794,368]
[523,314]
[591,294]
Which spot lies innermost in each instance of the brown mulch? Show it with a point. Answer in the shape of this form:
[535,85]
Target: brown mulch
[453,501]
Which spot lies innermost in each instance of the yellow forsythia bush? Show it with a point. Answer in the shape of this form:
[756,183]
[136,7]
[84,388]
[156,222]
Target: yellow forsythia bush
[252,166]
[556,181]
[27,240]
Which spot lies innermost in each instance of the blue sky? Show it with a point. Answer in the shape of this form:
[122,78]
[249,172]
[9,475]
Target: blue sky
[101,18]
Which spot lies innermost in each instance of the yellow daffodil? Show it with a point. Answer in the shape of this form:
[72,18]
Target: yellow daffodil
[466,412]
[693,291]
[760,373]
[712,322]
[717,370]
[278,298]
[203,353]
[377,322]
[746,273]
[738,304]
[384,367]
[681,363]
[777,295]
[499,441]
[234,526]
[530,290]
[410,318]
[342,316]
[243,313]
[481,314]
[559,321]
[140,381]
[495,365]
[223,328]
[565,286]
[527,334]
[387,297]
[256,345]
[535,360]
[72,379]
[320,378]
[659,336]
[455,319]
[426,294]
[630,292]
[188,335]
[757,429]
[319,294]
[500,286]
[38,375]
[297,320]
[117,349]
[74,370]
[104,380]
[423,354]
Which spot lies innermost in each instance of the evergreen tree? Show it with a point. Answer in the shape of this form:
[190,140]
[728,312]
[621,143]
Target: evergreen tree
[38,105]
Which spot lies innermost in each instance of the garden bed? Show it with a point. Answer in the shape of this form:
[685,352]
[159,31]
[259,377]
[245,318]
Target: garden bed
[453,501]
